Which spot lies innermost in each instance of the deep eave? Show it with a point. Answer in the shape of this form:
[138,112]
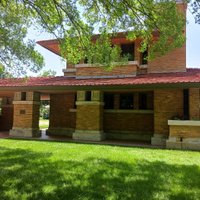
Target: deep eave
[191,78]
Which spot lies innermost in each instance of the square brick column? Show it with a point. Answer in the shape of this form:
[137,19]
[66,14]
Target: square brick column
[89,117]
[167,104]
[194,103]
[26,115]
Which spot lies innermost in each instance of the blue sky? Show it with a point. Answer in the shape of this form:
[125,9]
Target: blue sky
[54,62]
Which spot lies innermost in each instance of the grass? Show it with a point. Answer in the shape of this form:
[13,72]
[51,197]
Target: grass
[44,123]
[57,170]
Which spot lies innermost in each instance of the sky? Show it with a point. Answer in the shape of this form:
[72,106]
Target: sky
[55,63]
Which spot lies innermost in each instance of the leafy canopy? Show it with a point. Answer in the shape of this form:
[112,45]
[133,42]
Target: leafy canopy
[73,22]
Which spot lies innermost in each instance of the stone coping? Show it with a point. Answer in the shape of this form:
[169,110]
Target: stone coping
[26,102]
[89,103]
[69,70]
[184,122]
[93,65]
[128,111]
[121,111]
[143,66]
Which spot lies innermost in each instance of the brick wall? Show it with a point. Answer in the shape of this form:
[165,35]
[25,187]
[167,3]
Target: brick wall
[128,122]
[60,115]
[89,117]
[26,115]
[99,71]
[6,119]
[167,104]
[185,131]
[174,61]
[194,103]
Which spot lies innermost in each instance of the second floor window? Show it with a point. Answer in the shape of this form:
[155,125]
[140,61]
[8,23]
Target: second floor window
[128,50]
[144,56]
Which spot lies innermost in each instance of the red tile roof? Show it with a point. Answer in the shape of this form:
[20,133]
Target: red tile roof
[191,76]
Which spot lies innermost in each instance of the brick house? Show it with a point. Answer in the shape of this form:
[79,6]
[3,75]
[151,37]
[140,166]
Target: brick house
[156,102]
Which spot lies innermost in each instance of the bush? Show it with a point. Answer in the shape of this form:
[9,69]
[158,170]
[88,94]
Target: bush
[44,111]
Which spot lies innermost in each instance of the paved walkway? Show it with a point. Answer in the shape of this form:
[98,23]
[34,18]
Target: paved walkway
[67,139]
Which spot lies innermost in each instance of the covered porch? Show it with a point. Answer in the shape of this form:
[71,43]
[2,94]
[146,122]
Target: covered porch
[124,109]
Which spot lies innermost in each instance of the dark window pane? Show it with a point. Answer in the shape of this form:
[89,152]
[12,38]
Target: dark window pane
[85,60]
[126,101]
[142,101]
[128,50]
[144,58]
[23,96]
[186,104]
[75,99]
[88,95]
[108,101]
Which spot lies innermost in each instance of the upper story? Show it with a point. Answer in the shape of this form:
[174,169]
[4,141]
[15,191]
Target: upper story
[174,61]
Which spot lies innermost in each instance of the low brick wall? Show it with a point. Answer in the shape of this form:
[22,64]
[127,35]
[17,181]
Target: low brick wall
[184,135]
[90,71]
[130,125]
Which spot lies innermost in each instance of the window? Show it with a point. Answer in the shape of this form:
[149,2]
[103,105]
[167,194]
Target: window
[128,50]
[186,104]
[23,96]
[75,99]
[126,101]
[142,101]
[145,101]
[88,95]
[85,60]
[144,56]
[108,101]
[0,106]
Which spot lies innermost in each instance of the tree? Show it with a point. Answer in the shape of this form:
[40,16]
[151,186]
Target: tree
[47,73]
[16,54]
[73,22]
[195,5]
[3,73]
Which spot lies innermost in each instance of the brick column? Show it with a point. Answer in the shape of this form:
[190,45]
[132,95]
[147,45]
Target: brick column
[194,103]
[26,114]
[167,104]
[6,115]
[89,117]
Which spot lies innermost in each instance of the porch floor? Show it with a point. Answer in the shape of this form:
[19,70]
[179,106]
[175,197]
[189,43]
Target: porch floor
[44,137]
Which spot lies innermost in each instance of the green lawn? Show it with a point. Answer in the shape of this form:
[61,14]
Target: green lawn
[44,123]
[57,170]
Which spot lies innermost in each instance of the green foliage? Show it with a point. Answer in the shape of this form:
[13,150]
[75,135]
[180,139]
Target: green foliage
[76,21]
[195,7]
[4,73]
[57,171]
[47,73]
[44,123]
[44,109]
[16,54]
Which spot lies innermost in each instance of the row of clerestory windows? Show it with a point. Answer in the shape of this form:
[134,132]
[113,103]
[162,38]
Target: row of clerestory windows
[129,101]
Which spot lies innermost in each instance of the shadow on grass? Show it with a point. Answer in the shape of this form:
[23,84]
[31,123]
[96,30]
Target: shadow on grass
[27,174]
